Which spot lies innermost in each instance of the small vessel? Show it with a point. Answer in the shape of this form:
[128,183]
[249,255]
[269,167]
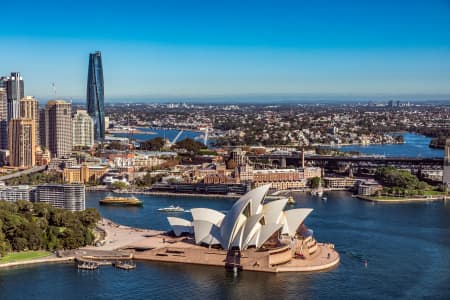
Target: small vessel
[324,198]
[171,209]
[291,200]
[87,265]
[123,201]
[317,192]
[125,265]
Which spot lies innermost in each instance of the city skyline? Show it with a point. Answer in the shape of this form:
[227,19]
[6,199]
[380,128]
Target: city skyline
[307,51]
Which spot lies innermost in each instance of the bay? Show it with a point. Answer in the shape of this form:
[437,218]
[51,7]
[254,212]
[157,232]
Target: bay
[407,247]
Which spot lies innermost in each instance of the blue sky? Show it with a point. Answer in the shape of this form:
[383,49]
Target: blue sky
[318,49]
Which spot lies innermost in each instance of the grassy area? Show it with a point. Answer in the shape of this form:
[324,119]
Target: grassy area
[434,193]
[25,255]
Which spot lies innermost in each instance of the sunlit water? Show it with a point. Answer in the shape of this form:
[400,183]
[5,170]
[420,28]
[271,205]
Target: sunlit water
[415,145]
[407,247]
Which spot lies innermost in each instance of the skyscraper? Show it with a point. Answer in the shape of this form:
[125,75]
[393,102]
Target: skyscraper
[15,92]
[95,94]
[3,114]
[22,144]
[83,129]
[446,173]
[29,109]
[58,128]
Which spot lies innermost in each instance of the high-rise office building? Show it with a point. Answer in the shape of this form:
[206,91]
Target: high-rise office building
[42,139]
[14,92]
[3,80]
[446,173]
[3,116]
[95,94]
[3,104]
[58,128]
[29,109]
[68,196]
[83,129]
[22,143]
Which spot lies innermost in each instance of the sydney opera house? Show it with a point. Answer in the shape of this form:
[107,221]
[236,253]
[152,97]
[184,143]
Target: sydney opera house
[255,234]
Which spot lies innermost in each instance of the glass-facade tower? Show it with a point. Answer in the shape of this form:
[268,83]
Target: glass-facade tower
[14,92]
[95,94]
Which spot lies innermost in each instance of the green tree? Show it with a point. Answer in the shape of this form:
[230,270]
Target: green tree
[155,144]
[24,225]
[119,185]
[315,182]
[189,145]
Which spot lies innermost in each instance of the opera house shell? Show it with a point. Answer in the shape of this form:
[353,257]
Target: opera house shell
[250,223]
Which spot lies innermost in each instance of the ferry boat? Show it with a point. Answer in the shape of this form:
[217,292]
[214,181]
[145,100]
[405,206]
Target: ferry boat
[171,209]
[112,200]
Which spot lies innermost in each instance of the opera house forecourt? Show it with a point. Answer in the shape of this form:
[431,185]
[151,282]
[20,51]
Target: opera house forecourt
[255,235]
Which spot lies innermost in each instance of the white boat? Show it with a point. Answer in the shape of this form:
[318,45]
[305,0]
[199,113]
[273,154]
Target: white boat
[171,209]
[318,193]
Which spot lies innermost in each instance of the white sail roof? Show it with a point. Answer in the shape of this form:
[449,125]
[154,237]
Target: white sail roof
[207,214]
[202,229]
[266,232]
[294,218]
[180,226]
[273,211]
[248,222]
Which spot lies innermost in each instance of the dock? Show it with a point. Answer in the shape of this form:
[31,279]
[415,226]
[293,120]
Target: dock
[125,265]
[87,265]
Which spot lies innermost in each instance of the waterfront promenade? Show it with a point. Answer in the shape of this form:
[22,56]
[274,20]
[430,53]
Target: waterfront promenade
[154,245]
[46,260]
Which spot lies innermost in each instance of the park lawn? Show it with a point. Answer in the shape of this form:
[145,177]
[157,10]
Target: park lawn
[388,197]
[434,193]
[25,255]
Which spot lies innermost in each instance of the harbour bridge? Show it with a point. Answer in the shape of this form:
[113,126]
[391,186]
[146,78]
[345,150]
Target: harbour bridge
[333,162]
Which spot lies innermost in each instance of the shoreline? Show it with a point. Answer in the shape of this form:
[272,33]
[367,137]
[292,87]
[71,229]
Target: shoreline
[224,196]
[401,200]
[46,260]
[179,194]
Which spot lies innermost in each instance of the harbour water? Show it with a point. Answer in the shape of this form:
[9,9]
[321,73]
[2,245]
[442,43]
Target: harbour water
[415,145]
[151,133]
[406,246]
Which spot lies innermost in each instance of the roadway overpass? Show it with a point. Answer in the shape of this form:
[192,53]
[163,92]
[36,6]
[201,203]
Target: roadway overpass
[24,172]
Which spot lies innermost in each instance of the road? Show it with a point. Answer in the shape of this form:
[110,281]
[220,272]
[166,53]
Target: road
[24,172]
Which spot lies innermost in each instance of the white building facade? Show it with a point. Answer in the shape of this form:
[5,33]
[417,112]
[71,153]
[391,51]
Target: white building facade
[83,129]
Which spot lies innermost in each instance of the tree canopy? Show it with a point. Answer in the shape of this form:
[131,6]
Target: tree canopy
[34,226]
[189,145]
[393,177]
[155,144]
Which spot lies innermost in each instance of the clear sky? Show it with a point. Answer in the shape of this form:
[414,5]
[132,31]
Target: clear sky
[199,48]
